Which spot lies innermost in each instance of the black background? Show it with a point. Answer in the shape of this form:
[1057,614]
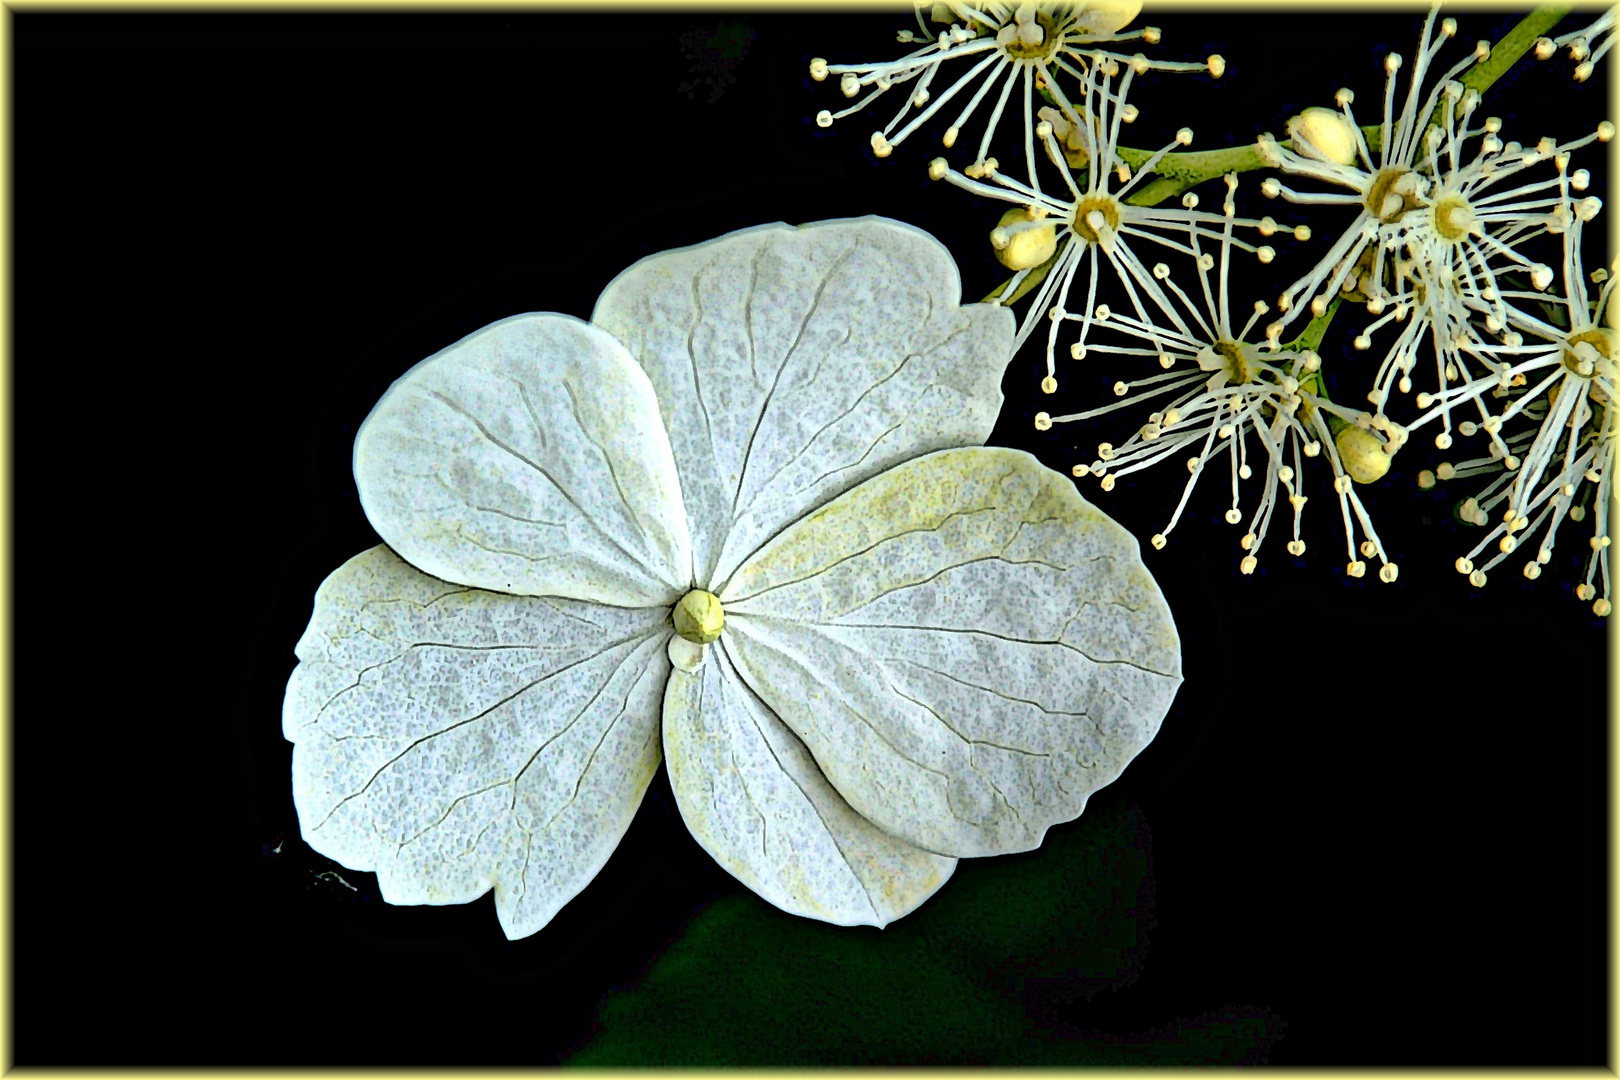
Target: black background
[1376,811]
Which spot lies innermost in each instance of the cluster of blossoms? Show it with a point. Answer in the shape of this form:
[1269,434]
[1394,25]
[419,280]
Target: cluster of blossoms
[1464,250]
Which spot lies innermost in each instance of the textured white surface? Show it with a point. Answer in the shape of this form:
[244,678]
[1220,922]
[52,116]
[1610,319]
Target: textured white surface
[792,363]
[938,660]
[453,739]
[967,646]
[529,458]
[754,798]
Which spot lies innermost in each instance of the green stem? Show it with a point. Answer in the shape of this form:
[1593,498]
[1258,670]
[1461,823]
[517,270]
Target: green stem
[1311,337]
[1514,44]
[1178,172]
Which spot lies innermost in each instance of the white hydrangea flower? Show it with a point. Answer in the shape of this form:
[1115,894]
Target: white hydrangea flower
[1237,389]
[1322,145]
[1563,380]
[1023,44]
[1448,255]
[1459,247]
[1094,223]
[727,524]
[1586,46]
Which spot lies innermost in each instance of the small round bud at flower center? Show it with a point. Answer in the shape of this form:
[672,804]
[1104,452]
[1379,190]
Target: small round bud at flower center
[1453,217]
[698,617]
[1029,39]
[1102,205]
[1600,339]
[1391,194]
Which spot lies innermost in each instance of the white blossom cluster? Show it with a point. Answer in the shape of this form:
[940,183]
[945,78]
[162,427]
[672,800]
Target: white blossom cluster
[1458,294]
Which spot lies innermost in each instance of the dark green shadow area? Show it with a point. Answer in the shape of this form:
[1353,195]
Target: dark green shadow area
[947,985]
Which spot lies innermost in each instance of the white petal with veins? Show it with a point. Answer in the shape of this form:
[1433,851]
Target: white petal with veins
[453,739]
[753,797]
[790,364]
[529,458]
[967,646]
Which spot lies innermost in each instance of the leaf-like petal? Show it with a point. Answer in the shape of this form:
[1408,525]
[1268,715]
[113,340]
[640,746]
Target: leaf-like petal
[967,646]
[793,363]
[754,798]
[453,739]
[529,458]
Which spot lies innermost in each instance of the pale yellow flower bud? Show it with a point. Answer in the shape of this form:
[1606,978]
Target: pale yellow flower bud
[1327,132]
[1027,247]
[1363,454]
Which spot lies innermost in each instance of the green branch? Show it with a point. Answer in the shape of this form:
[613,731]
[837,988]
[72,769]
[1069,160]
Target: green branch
[1178,172]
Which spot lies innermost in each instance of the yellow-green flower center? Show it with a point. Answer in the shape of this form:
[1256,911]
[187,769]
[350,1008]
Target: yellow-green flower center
[1387,198]
[1103,204]
[1601,339]
[1019,49]
[1453,217]
[698,617]
[1237,365]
